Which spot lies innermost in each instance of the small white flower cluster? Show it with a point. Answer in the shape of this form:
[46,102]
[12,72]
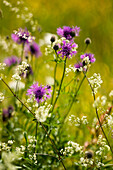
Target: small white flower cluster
[100,101]
[48,50]
[77,121]
[111,93]
[42,113]
[95,81]
[10,142]
[7,160]
[31,145]
[71,148]
[86,60]
[13,84]
[23,13]
[70,69]
[32,142]
[16,77]
[9,46]
[86,162]
[94,122]
[2,66]
[103,147]
[34,157]
[20,150]
[1,97]
[19,70]
[6,146]
[7,3]
[109,120]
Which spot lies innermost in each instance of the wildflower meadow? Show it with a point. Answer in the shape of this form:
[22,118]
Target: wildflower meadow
[56,96]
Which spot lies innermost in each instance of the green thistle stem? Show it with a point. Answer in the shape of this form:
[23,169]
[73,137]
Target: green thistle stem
[62,123]
[54,82]
[60,84]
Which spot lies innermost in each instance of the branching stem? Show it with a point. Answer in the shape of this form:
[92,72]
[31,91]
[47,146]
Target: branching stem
[38,121]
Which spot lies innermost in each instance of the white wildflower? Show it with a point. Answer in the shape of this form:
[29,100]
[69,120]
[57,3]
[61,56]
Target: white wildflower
[10,142]
[42,113]
[84,120]
[1,97]
[2,66]
[49,80]
[71,148]
[95,81]
[19,84]
[16,77]
[78,121]
[109,120]
[111,93]
[103,100]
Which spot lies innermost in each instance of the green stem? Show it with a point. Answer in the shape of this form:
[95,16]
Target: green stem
[22,57]
[60,84]
[68,83]
[16,87]
[36,136]
[62,123]
[54,83]
[53,144]
[98,114]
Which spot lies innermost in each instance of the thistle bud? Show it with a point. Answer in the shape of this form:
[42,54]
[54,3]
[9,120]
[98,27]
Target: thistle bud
[87,41]
[89,154]
[55,47]
[52,39]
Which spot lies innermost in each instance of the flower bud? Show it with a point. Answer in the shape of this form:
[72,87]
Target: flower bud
[87,41]
[55,47]
[52,39]
[89,154]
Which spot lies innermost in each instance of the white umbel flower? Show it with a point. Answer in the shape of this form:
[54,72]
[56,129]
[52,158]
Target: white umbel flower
[1,97]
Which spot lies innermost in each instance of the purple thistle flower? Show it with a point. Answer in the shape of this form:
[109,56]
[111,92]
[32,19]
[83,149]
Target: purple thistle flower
[22,36]
[78,65]
[41,93]
[7,113]
[33,48]
[67,49]
[13,60]
[90,56]
[68,32]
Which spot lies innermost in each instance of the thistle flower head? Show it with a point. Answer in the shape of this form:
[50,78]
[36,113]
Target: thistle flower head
[67,49]
[89,57]
[40,93]
[22,36]
[68,32]
[13,60]
[78,66]
[32,48]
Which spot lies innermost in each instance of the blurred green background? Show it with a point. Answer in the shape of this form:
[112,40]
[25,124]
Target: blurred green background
[95,18]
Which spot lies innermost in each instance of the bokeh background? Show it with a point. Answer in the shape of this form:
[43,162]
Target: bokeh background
[95,18]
